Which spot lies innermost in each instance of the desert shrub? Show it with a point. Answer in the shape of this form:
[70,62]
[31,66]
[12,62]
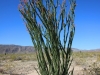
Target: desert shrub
[46,25]
[98,58]
[1,70]
[18,58]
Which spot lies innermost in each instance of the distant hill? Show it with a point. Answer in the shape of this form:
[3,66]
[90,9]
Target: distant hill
[16,49]
[75,50]
[91,50]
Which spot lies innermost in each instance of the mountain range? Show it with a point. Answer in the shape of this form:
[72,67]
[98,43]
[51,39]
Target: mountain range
[16,49]
[27,49]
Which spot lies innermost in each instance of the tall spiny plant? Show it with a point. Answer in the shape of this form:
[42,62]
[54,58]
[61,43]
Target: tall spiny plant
[53,54]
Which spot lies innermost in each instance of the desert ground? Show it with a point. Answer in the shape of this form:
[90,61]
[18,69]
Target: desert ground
[84,63]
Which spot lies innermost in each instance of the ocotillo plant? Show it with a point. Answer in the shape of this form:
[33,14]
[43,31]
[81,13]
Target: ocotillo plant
[51,32]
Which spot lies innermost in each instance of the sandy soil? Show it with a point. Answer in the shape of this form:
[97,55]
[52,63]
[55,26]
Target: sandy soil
[26,68]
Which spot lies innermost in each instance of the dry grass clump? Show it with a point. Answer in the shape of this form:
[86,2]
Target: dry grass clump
[86,57]
[93,69]
[90,60]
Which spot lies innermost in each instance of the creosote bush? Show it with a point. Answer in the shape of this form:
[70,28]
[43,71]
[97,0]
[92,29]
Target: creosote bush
[52,33]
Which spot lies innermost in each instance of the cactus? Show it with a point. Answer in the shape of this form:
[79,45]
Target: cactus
[53,53]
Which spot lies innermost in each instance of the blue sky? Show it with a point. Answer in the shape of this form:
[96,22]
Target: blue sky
[87,22]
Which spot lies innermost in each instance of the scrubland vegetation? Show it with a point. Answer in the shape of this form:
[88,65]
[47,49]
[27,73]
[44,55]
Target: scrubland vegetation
[16,57]
[88,61]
